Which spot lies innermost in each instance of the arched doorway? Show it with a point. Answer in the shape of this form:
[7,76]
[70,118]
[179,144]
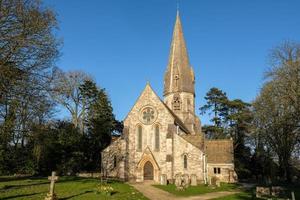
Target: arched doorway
[148,171]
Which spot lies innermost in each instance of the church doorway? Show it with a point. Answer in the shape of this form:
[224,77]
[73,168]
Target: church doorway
[148,171]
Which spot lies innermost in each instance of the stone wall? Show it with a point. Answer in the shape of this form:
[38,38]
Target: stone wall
[227,173]
[194,158]
[89,175]
[113,158]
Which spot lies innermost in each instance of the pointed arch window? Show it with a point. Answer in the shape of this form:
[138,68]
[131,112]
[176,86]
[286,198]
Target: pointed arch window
[140,137]
[185,162]
[157,137]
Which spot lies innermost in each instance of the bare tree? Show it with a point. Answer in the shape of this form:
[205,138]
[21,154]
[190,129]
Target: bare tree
[277,108]
[28,51]
[66,91]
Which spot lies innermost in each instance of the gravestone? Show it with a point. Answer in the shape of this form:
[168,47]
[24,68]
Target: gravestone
[185,180]
[262,191]
[294,179]
[193,180]
[163,179]
[293,196]
[218,183]
[178,182]
[214,181]
[51,195]
[277,191]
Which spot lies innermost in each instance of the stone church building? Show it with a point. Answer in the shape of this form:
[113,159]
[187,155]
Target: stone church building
[162,139]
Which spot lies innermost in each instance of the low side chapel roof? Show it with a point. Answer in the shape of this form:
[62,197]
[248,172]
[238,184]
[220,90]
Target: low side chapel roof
[219,151]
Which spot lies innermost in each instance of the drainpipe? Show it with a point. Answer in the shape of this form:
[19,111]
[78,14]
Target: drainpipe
[177,131]
[204,169]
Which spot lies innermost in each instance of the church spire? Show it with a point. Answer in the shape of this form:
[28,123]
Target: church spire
[179,76]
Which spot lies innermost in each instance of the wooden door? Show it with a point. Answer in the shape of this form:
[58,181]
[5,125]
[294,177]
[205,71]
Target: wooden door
[148,171]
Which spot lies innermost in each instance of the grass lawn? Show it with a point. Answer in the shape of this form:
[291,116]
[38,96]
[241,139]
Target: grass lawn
[66,188]
[196,190]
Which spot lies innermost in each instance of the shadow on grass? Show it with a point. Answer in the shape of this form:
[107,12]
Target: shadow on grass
[13,178]
[76,195]
[21,195]
[7,187]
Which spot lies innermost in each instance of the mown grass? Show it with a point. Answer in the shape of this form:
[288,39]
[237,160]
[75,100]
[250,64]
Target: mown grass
[196,190]
[66,188]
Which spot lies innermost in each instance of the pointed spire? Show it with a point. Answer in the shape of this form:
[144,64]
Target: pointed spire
[179,76]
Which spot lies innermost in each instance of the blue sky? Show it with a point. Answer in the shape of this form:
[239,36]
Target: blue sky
[123,44]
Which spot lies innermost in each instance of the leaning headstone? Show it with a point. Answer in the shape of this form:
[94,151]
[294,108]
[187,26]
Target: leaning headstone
[262,191]
[163,179]
[213,181]
[218,183]
[258,192]
[293,196]
[185,180]
[277,191]
[178,182]
[51,195]
[193,180]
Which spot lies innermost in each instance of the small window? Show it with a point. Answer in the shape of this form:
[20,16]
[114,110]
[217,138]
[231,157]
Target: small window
[188,105]
[185,162]
[115,161]
[217,170]
[140,138]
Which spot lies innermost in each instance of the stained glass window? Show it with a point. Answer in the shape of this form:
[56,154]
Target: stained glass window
[140,137]
[157,137]
[185,162]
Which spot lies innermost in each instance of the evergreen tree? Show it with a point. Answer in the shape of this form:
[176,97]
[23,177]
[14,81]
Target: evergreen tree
[100,122]
[216,101]
[231,119]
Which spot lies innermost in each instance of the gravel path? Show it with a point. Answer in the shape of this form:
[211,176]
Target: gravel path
[154,193]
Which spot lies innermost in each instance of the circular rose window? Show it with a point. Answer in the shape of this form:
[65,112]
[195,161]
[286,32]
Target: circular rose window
[148,115]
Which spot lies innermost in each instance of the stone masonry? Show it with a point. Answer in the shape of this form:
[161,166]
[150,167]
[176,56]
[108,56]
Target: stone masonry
[162,139]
